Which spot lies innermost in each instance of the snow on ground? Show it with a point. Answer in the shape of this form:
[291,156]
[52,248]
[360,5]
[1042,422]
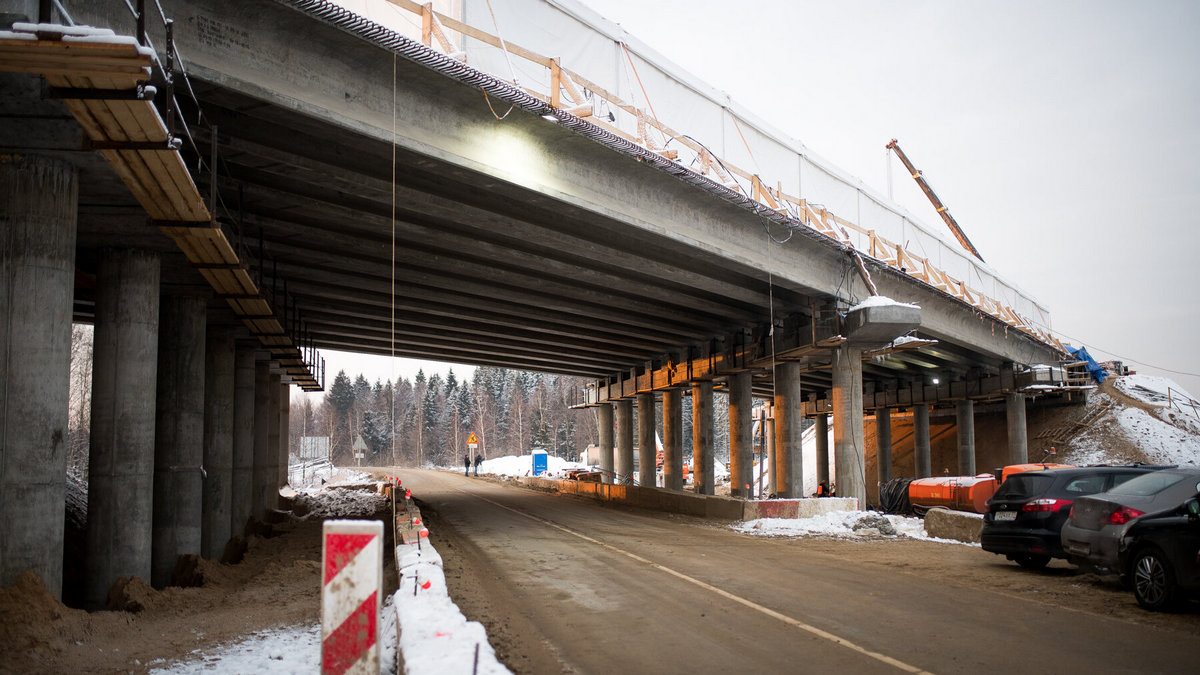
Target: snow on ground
[1165,435]
[1163,443]
[1150,389]
[513,465]
[838,525]
[284,650]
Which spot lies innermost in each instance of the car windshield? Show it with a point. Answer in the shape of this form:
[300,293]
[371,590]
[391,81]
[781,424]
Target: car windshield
[1148,484]
[1024,486]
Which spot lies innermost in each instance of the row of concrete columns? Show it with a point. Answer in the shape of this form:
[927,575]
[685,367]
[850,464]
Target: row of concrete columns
[783,430]
[186,444]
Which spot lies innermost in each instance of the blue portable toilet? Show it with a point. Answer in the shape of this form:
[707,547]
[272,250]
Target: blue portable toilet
[541,462]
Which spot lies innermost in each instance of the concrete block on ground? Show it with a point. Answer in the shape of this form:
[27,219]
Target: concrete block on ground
[723,508]
[807,508]
[957,525]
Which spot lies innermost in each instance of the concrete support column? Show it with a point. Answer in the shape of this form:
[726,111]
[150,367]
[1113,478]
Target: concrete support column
[1018,440]
[741,435]
[274,387]
[964,412]
[624,469]
[647,450]
[604,420]
[121,466]
[38,204]
[672,407]
[849,449]
[789,431]
[769,442]
[883,443]
[218,441]
[285,421]
[921,440]
[178,435]
[703,458]
[262,435]
[821,430]
[241,502]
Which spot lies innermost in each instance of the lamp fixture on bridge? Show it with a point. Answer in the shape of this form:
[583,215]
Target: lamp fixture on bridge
[550,117]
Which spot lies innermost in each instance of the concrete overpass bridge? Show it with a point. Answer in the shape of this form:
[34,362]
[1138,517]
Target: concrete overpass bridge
[318,181]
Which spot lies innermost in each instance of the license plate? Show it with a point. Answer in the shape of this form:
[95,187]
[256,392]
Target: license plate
[1005,515]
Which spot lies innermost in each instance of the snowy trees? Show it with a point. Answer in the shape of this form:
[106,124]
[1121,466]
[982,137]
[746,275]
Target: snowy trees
[427,420]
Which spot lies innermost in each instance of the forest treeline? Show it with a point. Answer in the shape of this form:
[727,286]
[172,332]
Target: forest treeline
[426,421]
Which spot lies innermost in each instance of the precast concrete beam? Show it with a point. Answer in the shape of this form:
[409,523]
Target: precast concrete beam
[849,449]
[789,432]
[703,457]
[672,407]
[219,359]
[647,447]
[921,451]
[38,204]
[121,464]
[1018,441]
[241,502]
[964,413]
[178,435]
[741,435]
[604,420]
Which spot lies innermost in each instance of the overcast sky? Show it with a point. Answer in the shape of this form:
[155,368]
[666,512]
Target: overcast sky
[1062,136]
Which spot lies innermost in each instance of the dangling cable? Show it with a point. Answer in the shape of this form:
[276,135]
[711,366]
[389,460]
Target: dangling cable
[395,379]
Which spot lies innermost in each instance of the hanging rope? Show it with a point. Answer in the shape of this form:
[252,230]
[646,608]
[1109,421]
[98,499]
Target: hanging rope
[395,379]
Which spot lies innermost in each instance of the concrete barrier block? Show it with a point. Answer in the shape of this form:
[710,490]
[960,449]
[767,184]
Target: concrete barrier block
[957,525]
[723,508]
[352,559]
[807,508]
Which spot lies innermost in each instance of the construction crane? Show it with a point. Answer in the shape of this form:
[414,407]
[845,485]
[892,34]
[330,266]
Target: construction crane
[937,203]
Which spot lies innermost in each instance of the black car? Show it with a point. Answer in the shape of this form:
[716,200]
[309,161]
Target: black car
[1160,556]
[1027,512]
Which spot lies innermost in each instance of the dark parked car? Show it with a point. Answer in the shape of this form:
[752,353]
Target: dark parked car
[1027,513]
[1092,535]
[1160,556]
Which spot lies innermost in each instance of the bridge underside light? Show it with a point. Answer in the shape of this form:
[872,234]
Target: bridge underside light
[550,118]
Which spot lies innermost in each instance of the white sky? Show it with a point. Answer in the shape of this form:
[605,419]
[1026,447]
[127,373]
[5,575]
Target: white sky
[1059,134]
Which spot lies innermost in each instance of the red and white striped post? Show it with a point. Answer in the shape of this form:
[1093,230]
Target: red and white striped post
[350,597]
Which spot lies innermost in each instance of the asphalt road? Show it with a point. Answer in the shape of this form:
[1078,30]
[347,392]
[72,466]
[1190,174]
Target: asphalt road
[568,585]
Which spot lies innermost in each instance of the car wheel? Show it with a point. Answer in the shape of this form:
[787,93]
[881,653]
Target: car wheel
[1032,561]
[1153,580]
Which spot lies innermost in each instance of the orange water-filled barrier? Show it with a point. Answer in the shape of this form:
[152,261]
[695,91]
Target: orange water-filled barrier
[961,493]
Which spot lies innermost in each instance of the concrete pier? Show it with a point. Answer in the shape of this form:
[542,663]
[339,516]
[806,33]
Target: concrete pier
[624,470]
[821,430]
[38,202]
[285,431]
[921,452]
[672,408]
[883,444]
[849,449]
[703,458]
[788,471]
[647,448]
[604,420]
[124,380]
[218,441]
[964,413]
[241,501]
[271,493]
[741,441]
[1018,440]
[262,435]
[178,435]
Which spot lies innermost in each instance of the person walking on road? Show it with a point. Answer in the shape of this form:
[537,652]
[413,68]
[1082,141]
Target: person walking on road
[478,461]
[467,462]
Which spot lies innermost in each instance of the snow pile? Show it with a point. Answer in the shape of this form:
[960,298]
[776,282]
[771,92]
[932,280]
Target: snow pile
[1161,433]
[434,636]
[1157,391]
[854,525]
[1162,442]
[338,503]
[512,465]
